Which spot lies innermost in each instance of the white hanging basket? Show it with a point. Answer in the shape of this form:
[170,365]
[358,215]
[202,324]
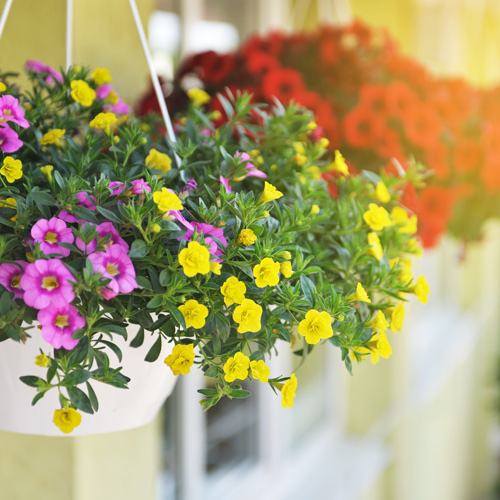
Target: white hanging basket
[119,409]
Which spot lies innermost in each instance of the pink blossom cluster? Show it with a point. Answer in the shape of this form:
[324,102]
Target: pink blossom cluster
[10,112]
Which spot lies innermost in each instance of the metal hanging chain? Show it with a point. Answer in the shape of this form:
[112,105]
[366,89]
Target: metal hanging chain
[5,14]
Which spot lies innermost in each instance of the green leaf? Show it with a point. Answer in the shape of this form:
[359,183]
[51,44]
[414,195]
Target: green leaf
[80,399]
[239,394]
[154,352]
[307,288]
[155,302]
[208,392]
[138,249]
[177,315]
[92,396]
[85,214]
[76,377]
[109,215]
[144,282]
[37,398]
[41,198]
[31,380]
[138,340]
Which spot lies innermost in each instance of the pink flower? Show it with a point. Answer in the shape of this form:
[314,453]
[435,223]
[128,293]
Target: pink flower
[103,230]
[253,171]
[10,277]
[11,111]
[225,183]
[40,67]
[208,230]
[191,184]
[117,188]
[120,108]
[114,263]
[9,140]
[47,283]
[103,91]
[139,186]
[84,200]
[59,324]
[50,233]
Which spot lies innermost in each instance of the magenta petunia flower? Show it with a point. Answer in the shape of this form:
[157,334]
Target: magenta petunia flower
[10,277]
[253,171]
[11,111]
[84,200]
[59,324]
[103,230]
[120,108]
[116,187]
[208,230]
[50,233]
[114,263]
[40,67]
[9,140]
[190,185]
[103,91]
[225,183]
[139,186]
[47,283]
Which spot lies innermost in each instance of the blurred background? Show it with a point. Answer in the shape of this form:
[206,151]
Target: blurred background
[421,425]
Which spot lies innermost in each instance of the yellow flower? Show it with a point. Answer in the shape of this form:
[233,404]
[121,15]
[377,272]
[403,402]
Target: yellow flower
[407,225]
[42,360]
[377,217]
[315,171]
[421,289]
[380,347]
[10,203]
[397,317]
[215,267]
[299,148]
[315,210]
[266,273]
[404,266]
[257,157]
[47,172]
[11,169]
[158,161]
[3,87]
[236,367]
[379,323]
[104,121]
[300,159]
[288,391]
[339,164]
[324,142]
[195,259]
[311,126]
[167,200]
[101,76]
[375,247]
[53,137]
[360,294]
[67,420]
[155,228]
[316,326]
[247,237]
[286,254]
[260,371]
[194,314]
[381,193]
[181,360]
[198,96]
[286,269]
[414,248]
[270,193]
[82,93]
[248,316]
[233,290]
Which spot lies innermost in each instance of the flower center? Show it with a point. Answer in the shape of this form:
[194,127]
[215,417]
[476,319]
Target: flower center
[112,269]
[50,237]
[16,282]
[61,321]
[50,282]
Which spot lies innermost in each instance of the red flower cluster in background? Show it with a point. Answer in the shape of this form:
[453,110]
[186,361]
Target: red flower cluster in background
[373,104]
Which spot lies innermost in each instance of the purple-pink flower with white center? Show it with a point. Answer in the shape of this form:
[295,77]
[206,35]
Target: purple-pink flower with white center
[84,200]
[190,185]
[10,277]
[116,187]
[208,230]
[11,111]
[139,186]
[59,324]
[50,233]
[225,183]
[40,67]
[47,283]
[103,230]
[9,140]
[253,171]
[114,263]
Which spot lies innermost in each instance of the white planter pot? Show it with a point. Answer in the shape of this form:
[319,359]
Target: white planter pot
[119,409]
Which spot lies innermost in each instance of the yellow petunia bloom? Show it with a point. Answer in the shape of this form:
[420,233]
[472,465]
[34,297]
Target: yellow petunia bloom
[339,164]
[316,326]
[194,314]
[406,225]
[194,259]
[3,87]
[379,322]
[380,347]
[9,203]
[299,148]
[53,137]
[248,316]
[288,391]
[377,217]
[360,294]
[104,121]
[158,161]
[67,420]
[101,76]
[82,93]
[260,371]
[286,269]
[215,267]
[375,246]
[315,210]
[247,237]
[324,142]
[167,200]
[198,97]
[181,360]
[381,193]
[270,193]
[414,248]
[421,289]
[266,273]
[397,317]
[47,172]
[12,169]
[42,360]
[236,367]
[233,290]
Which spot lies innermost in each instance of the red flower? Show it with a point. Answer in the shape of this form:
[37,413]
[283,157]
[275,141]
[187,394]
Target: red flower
[362,128]
[422,126]
[467,155]
[259,63]
[283,84]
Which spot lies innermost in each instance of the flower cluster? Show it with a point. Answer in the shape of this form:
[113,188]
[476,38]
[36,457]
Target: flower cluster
[374,104]
[222,243]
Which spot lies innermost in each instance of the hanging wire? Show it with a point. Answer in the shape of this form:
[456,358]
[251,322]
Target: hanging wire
[69,33]
[5,14]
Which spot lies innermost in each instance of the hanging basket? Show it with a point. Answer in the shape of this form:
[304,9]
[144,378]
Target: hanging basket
[119,409]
